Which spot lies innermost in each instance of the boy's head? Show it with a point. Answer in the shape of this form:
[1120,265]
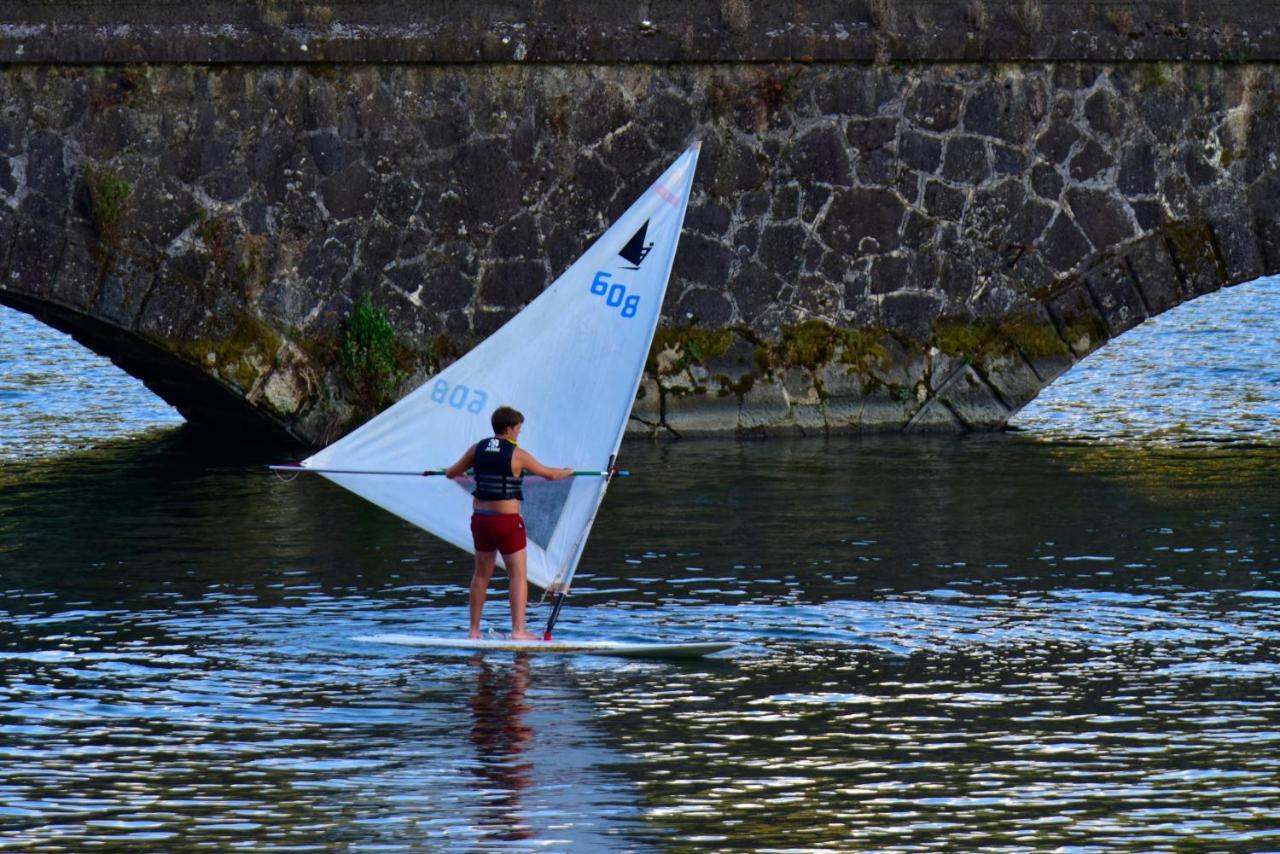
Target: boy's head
[504,418]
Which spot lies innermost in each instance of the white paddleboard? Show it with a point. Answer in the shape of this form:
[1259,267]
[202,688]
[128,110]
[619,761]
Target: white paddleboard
[616,648]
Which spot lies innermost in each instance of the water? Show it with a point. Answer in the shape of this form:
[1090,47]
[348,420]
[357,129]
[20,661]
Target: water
[56,396]
[1025,641]
[1207,371]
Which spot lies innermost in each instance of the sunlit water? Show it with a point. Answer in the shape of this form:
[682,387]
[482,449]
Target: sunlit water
[1207,371]
[57,396]
[1003,642]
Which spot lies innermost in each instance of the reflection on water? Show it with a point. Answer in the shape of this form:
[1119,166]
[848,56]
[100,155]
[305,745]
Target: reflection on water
[986,642]
[1003,642]
[502,737]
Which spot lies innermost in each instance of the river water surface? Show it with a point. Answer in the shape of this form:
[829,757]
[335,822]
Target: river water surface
[1065,636]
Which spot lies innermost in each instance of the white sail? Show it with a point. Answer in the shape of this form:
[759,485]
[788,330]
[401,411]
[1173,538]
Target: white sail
[571,361]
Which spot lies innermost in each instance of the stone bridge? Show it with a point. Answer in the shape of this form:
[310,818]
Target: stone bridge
[909,215]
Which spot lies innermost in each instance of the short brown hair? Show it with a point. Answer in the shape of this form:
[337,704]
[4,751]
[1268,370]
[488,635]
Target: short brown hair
[504,418]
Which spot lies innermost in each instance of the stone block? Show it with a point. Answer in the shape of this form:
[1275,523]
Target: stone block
[46,167]
[755,290]
[965,160]
[698,413]
[934,106]
[512,284]
[1116,294]
[648,403]
[920,151]
[1090,160]
[800,386]
[702,306]
[844,414]
[974,402]
[911,313]
[1105,113]
[7,227]
[1238,242]
[1156,276]
[942,201]
[1056,142]
[1008,160]
[1138,170]
[34,257]
[934,417]
[703,260]
[884,409]
[1013,378]
[289,385]
[864,222]
[764,406]
[123,288]
[1046,181]
[8,184]
[870,134]
[1064,245]
[350,194]
[819,156]
[889,273]
[1078,321]
[1195,257]
[809,418]
[1101,215]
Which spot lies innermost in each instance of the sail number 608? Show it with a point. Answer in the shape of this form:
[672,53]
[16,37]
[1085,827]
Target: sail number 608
[615,294]
[459,396]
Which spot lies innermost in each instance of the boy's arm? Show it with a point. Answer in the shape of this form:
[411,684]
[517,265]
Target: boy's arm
[525,463]
[461,466]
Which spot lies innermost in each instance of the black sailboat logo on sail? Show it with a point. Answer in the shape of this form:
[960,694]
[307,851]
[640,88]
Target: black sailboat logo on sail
[636,249]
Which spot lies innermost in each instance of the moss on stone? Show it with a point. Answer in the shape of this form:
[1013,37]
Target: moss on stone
[813,344]
[981,339]
[957,337]
[863,348]
[739,387]
[1035,339]
[1153,75]
[1193,247]
[693,346]
[109,198]
[810,344]
[1087,334]
[240,357]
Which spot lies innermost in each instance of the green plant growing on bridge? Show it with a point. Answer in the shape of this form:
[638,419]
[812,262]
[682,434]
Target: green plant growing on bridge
[368,355]
[109,196]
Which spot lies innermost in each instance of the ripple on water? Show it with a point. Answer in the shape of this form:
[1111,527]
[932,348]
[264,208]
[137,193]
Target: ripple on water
[979,644]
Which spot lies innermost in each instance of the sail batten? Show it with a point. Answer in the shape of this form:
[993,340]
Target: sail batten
[572,361]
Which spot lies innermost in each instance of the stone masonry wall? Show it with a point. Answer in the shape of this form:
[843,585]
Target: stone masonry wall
[870,245]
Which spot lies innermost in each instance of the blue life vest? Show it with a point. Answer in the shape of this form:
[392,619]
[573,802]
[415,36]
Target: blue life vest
[491,465]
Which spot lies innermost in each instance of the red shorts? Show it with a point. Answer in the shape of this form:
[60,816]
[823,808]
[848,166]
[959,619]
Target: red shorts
[498,533]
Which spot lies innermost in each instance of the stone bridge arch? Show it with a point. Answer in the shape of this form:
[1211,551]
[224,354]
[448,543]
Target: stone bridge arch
[903,221]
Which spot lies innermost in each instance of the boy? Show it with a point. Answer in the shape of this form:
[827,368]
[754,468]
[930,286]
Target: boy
[496,525]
